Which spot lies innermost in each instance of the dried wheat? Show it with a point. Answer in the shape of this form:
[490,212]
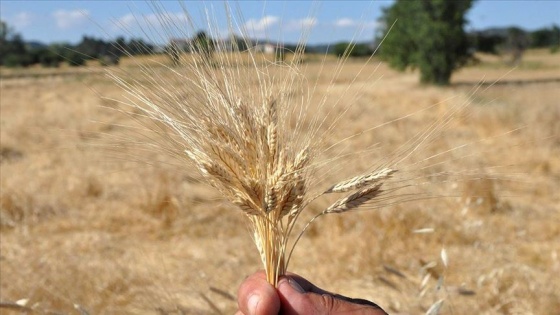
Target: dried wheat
[249,135]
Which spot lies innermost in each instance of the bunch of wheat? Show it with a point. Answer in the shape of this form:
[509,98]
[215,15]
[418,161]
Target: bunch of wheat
[257,146]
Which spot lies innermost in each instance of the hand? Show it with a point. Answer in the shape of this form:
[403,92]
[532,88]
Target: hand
[296,296]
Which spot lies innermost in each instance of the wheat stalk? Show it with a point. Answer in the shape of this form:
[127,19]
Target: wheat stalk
[255,143]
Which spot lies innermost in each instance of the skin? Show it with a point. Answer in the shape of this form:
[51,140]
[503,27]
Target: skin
[296,296]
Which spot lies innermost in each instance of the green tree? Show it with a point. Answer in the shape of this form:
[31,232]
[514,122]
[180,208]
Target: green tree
[239,43]
[486,42]
[91,47]
[173,50]
[352,50]
[13,52]
[139,47]
[517,42]
[47,57]
[203,45]
[546,37]
[428,35]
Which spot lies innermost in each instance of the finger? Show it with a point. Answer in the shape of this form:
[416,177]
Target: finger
[296,301]
[257,297]
[306,285]
[356,301]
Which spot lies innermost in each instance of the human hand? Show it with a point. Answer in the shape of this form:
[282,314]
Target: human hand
[296,296]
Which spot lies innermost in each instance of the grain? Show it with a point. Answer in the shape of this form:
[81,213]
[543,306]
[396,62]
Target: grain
[354,200]
[248,132]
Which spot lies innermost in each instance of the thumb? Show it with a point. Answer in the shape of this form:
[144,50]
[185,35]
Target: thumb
[296,301]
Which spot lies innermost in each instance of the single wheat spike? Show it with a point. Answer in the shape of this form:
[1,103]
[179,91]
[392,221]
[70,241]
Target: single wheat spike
[361,181]
[355,200]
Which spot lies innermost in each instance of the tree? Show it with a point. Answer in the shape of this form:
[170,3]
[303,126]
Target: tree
[47,56]
[239,43]
[347,49]
[486,42]
[546,37]
[203,45]
[174,50]
[13,52]
[517,42]
[428,35]
[91,47]
[139,47]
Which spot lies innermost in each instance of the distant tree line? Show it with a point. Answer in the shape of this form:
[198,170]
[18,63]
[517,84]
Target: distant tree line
[497,40]
[348,49]
[15,52]
[493,40]
[408,44]
[205,46]
[514,40]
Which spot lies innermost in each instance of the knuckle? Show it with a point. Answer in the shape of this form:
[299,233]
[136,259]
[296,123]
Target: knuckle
[328,304]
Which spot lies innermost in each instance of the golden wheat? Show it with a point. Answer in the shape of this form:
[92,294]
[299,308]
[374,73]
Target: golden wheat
[256,146]
[258,133]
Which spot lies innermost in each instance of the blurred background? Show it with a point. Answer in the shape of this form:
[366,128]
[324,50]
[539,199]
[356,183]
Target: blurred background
[36,32]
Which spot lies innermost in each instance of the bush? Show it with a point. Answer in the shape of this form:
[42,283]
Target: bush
[75,59]
[109,60]
[46,57]
[16,60]
[352,50]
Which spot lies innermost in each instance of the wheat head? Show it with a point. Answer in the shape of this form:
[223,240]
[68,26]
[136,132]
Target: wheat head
[246,129]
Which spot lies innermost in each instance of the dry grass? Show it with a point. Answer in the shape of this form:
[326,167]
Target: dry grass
[150,237]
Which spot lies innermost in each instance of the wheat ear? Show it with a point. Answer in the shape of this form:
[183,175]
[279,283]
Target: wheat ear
[249,135]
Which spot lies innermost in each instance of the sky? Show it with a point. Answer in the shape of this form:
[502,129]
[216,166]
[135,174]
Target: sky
[285,21]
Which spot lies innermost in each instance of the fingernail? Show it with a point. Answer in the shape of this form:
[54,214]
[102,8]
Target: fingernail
[253,303]
[293,284]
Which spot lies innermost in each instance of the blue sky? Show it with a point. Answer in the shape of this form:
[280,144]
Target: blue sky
[67,21]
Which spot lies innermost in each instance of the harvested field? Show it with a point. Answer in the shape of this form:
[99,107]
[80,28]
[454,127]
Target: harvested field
[87,220]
